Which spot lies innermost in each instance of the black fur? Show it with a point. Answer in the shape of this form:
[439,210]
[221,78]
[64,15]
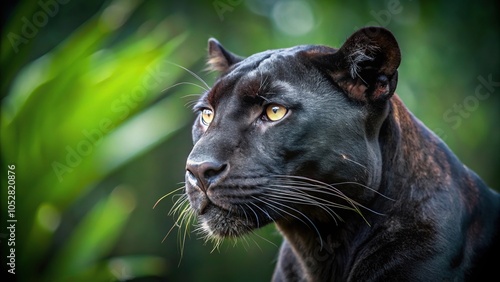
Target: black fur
[360,189]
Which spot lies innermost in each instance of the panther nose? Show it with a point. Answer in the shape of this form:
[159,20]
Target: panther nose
[207,173]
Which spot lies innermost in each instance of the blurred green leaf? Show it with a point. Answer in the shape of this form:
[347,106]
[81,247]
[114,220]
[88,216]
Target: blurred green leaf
[92,237]
[69,149]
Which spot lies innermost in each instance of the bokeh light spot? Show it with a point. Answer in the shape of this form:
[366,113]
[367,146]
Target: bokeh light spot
[293,17]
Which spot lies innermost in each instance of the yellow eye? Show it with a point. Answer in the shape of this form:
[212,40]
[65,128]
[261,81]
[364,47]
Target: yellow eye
[207,116]
[275,112]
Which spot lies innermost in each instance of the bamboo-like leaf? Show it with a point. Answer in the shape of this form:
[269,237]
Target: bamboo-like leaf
[92,237]
[63,107]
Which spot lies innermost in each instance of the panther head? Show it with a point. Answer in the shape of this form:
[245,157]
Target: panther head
[290,135]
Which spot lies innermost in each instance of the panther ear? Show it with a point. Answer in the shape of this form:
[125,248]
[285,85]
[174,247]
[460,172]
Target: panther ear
[365,67]
[219,59]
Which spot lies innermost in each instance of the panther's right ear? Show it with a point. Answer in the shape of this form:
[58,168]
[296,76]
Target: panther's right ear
[219,59]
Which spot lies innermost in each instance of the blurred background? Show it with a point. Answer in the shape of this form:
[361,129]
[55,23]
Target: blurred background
[95,117]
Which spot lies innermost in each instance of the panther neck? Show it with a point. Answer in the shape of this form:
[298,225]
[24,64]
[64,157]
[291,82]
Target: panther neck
[320,258]
[412,156]
[407,146]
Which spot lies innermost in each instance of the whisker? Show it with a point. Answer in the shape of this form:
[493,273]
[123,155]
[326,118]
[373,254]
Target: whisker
[168,194]
[191,103]
[255,233]
[262,82]
[197,95]
[193,74]
[352,161]
[312,183]
[244,240]
[264,211]
[181,202]
[184,219]
[364,186]
[255,242]
[305,183]
[313,189]
[256,216]
[267,202]
[282,199]
[163,93]
[354,204]
[305,199]
[245,213]
[183,83]
[189,219]
[217,244]
[326,191]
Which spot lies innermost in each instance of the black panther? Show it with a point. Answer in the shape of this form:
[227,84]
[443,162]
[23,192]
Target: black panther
[315,140]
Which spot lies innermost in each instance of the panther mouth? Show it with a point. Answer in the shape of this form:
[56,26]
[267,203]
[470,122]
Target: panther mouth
[240,205]
[217,217]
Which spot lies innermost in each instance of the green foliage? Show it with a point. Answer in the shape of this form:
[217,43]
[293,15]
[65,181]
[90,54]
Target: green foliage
[72,117]
[94,118]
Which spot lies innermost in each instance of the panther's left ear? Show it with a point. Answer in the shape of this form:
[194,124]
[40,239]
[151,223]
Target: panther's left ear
[219,59]
[365,67]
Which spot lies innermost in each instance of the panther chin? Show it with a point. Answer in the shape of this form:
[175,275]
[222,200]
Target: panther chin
[219,223]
